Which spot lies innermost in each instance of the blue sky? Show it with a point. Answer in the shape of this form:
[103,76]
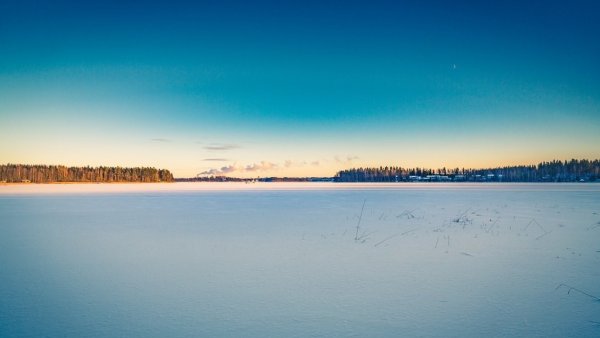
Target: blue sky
[303,88]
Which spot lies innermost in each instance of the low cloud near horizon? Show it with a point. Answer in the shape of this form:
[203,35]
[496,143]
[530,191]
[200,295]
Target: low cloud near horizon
[264,166]
[215,160]
[348,159]
[254,167]
[221,146]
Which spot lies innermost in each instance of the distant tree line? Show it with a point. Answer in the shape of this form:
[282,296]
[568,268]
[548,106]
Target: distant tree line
[260,179]
[213,179]
[11,173]
[553,171]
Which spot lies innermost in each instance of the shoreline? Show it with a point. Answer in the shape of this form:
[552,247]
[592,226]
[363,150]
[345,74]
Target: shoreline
[295,182]
[206,187]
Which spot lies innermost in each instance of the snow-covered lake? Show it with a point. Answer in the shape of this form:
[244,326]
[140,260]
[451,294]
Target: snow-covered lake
[285,260]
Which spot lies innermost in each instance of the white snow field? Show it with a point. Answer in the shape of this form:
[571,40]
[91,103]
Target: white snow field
[287,260]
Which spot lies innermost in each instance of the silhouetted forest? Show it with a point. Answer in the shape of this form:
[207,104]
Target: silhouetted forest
[57,173]
[554,171]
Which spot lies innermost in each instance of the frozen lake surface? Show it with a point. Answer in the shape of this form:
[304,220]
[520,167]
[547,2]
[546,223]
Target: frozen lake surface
[281,260]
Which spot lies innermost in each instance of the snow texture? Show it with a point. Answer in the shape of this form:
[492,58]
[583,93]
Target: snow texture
[286,260]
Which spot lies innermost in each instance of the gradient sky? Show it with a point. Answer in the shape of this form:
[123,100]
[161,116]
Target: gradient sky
[255,88]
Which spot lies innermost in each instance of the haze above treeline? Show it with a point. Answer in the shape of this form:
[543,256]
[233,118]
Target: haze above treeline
[553,171]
